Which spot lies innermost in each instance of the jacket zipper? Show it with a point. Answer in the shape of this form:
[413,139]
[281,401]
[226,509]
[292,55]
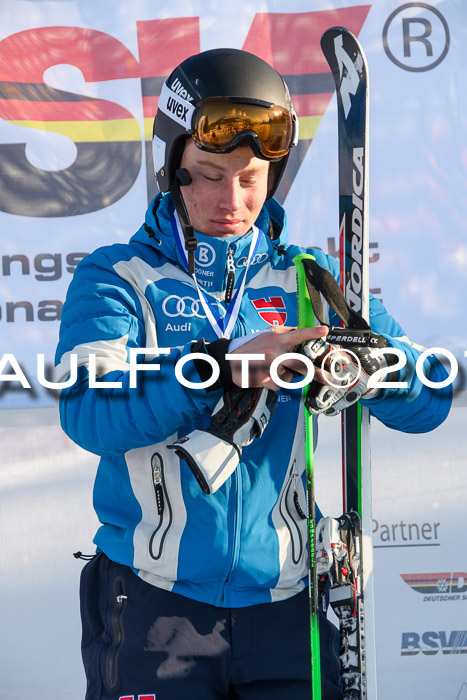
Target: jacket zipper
[156,466]
[230,275]
[116,623]
[236,528]
[162,504]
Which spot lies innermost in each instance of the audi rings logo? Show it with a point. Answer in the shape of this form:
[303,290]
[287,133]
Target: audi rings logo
[187,307]
[259,258]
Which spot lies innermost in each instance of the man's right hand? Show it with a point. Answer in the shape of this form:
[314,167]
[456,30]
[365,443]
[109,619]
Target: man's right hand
[279,341]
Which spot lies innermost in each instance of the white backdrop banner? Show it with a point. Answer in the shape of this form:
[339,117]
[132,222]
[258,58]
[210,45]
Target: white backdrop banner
[79,86]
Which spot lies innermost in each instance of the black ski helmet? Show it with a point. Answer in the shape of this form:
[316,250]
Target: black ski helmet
[232,74]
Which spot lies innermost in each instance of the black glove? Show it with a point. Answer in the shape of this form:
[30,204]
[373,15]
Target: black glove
[347,355]
[238,418]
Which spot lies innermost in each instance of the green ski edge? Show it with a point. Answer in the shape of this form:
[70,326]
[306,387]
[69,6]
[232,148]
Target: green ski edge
[306,319]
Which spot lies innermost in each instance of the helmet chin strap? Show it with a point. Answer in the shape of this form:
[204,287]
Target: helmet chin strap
[183,179]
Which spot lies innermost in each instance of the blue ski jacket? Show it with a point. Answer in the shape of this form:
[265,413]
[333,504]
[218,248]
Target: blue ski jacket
[246,543]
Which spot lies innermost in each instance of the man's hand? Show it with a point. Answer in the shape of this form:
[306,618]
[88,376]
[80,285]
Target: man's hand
[279,341]
[347,357]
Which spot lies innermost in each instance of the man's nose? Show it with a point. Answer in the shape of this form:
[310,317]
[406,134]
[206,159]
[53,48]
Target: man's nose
[231,195]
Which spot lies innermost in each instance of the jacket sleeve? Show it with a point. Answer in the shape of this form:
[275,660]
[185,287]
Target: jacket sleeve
[103,315]
[417,408]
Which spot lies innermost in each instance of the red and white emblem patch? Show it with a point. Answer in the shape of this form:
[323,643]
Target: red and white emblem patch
[271,309]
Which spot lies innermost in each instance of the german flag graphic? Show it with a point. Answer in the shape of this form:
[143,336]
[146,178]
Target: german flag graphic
[107,137]
[444,582]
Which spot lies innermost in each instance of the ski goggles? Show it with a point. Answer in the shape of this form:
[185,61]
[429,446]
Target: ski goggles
[219,125]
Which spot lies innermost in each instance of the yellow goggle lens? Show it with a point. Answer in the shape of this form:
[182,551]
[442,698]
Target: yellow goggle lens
[218,126]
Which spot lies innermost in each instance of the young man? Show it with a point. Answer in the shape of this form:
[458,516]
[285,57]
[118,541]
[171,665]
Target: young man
[198,589]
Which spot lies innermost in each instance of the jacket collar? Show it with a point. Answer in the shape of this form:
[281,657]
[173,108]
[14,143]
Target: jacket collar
[211,255]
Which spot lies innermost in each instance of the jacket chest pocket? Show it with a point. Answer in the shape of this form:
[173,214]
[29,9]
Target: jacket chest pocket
[163,507]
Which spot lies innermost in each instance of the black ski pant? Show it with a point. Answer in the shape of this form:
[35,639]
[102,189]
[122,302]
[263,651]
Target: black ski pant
[143,643]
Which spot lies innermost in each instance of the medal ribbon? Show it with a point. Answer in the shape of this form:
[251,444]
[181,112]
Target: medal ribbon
[222,326]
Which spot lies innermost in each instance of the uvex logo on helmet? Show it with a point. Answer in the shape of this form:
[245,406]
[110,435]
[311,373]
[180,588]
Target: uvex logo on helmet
[271,309]
[178,88]
[175,106]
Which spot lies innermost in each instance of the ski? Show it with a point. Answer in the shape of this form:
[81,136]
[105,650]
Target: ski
[351,593]
[306,318]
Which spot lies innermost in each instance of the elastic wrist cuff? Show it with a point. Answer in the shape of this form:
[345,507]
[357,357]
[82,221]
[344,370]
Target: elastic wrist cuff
[218,349]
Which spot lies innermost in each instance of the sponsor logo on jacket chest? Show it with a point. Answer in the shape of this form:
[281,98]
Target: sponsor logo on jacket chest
[178,327]
[175,306]
[271,309]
